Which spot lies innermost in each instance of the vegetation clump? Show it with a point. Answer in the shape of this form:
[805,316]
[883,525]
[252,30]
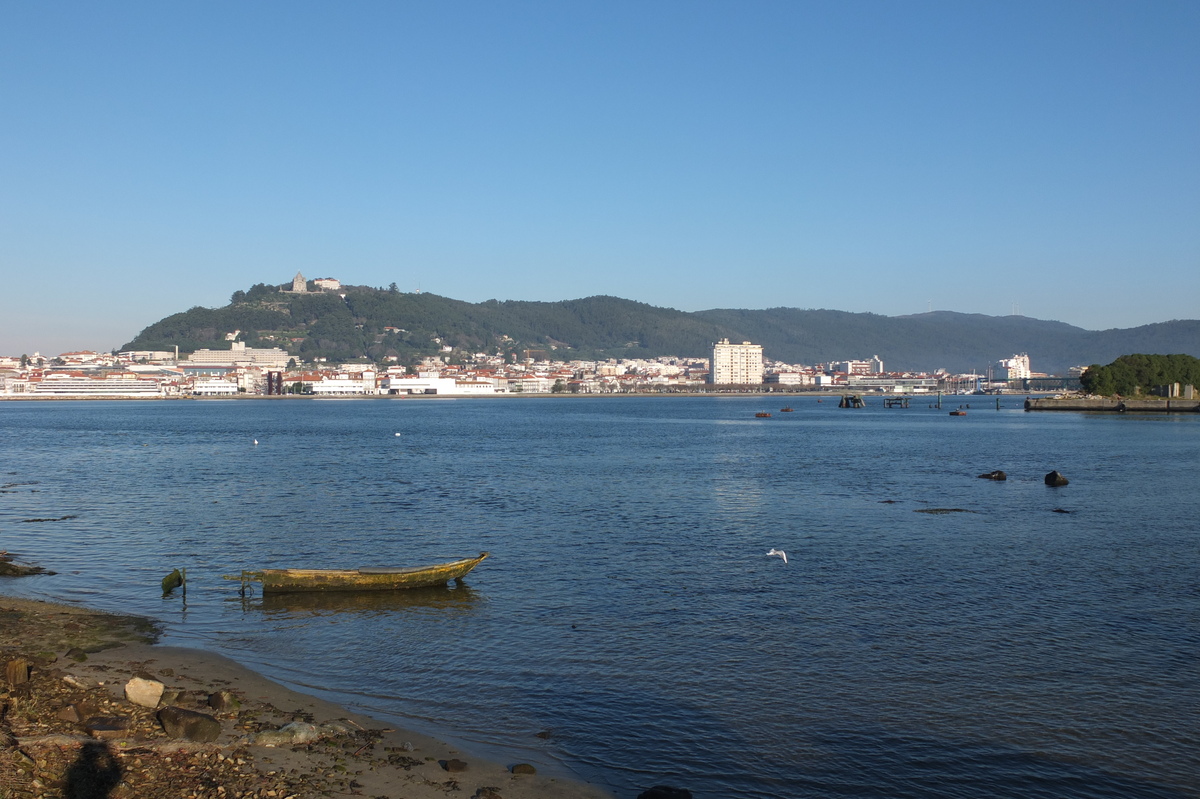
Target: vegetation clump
[1139,374]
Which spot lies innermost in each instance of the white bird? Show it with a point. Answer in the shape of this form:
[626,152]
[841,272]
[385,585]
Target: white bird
[256,442]
[778,552]
[397,434]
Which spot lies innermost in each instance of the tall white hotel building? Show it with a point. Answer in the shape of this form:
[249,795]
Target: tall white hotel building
[736,363]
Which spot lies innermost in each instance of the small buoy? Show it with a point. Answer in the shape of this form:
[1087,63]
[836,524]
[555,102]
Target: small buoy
[256,442]
[397,434]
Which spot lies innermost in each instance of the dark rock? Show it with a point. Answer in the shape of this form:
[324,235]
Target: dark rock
[1056,479]
[454,765]
[77,712]
[996,475]
[188,724]
[223,702]
[77,654]
[106,726]
[1060,510]
[523,768]
[665,792]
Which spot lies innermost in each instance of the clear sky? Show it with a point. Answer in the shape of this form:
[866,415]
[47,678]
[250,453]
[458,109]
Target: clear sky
[892,157]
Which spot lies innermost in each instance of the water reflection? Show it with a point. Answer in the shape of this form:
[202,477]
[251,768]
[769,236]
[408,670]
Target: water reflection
[443,598]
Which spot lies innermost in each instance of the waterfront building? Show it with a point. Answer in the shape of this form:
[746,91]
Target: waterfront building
[790,378]
[736,363]
[97,385]
[214,387]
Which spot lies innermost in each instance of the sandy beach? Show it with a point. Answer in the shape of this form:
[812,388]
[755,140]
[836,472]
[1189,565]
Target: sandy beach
[68,727]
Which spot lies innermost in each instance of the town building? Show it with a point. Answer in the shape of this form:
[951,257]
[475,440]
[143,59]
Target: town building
[241,355]
[872,367]
[1014,368]
[736,364]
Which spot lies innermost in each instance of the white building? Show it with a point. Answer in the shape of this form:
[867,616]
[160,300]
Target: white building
[241,355]
[1014,368]
[790,378]
[872,367]
[344,384]
[214,387]
[736,363]
[78,384]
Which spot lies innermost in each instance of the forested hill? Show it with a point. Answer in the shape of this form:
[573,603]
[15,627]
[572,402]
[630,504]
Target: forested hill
[373,323]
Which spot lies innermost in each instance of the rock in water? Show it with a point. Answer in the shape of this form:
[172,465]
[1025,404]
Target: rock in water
[665,792]
[1055,478]
[996,475]
[171,582]
[144,692]
[188,724]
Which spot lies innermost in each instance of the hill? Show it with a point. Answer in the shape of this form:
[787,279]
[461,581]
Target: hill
[368,323]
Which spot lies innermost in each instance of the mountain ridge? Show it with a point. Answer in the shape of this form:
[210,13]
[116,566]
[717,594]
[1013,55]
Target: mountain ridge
[363,322]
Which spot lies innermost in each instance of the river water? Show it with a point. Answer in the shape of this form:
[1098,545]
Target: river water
[628,628]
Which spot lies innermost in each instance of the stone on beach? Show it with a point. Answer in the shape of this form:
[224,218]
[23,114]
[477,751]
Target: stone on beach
[144,691]
[189,724]
[223,701]
[107,726]
[523,768]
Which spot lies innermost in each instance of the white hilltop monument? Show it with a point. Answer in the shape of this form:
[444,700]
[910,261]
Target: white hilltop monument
[299,284]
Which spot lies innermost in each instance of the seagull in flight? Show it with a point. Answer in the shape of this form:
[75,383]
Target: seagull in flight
[778,552]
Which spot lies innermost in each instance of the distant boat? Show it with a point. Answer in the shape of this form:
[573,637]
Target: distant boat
[763,415]
[282,581]
[786,409]
[958,413]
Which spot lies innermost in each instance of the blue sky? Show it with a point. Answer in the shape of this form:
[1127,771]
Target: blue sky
[889,157]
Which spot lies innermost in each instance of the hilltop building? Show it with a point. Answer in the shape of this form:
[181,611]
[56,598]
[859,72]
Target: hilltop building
[299,284]
[241,355]
[736,363]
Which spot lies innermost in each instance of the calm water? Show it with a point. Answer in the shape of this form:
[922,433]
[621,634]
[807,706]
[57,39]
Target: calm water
[628,612]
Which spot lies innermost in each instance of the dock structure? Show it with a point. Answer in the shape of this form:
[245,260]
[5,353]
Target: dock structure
[1113,405]
[895,402]
[852,401]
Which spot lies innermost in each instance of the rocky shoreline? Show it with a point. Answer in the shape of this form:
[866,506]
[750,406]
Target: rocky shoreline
[90,707]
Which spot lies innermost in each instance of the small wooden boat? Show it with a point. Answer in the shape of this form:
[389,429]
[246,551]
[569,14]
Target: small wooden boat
[787,409]
[958,413]
[283,581]
[762,415]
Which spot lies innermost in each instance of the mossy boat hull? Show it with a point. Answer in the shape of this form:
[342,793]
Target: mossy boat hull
[283,581]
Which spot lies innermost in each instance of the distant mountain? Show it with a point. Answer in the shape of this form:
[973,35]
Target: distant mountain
[361,322]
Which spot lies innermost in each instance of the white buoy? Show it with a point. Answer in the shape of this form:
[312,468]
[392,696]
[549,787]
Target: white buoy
[256,442]
[778,552]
